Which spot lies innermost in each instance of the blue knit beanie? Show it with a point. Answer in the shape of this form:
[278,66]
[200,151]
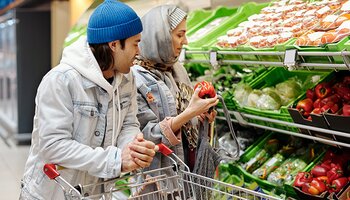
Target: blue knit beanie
[112,20]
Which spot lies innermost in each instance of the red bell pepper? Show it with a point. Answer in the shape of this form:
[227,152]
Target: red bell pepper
[308,188]
[311,94]
[317,111]
[331,99]
[346,110]
[326,164]
[318,170]
[338,184]
[319,185]
[334,108]
[326,107]
[334,173]
[305,105]
[343,92]
[301,178]
[330,155]
[323,90]
[207,90]
[324,179]
[318,103]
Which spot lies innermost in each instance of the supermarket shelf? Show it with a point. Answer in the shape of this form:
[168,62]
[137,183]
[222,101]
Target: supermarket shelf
[296,60]
[261,53]
[197,61]
[243,62]
[241,120]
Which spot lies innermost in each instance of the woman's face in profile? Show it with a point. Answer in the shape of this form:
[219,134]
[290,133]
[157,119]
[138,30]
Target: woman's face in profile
[179,37]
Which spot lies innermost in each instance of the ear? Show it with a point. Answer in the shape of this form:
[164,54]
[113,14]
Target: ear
[113,45]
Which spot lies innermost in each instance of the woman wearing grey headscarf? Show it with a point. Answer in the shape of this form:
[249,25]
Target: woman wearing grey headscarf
[167,105]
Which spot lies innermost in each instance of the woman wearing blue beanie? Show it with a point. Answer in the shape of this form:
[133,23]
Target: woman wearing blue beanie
[85,117]
[167,105]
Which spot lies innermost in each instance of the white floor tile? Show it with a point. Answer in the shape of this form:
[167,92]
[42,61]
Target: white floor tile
[12,161]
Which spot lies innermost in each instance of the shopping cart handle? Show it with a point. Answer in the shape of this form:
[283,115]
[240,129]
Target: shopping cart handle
[164,149]
[50,171]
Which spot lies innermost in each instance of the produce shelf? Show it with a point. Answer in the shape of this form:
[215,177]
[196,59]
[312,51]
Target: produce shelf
[301,63]
[240,118]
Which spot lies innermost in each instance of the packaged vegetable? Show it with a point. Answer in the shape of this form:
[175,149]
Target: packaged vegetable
[274,162]
[242,92]
[290,88]
[253,98]
[269,100]
[269,166]
[291,166]
[261,156]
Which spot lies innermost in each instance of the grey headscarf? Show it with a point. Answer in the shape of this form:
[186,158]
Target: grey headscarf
[158,24]
[157,56]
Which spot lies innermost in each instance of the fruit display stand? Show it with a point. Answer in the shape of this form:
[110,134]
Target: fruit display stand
[291,60]
[327,59]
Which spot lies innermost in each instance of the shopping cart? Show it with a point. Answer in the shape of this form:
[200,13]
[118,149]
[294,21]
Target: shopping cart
[190,186]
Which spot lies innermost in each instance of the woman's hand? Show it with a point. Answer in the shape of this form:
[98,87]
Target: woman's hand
[210,116]
[198,106]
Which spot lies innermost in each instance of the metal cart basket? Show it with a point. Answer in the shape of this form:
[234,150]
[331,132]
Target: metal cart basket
[190,186]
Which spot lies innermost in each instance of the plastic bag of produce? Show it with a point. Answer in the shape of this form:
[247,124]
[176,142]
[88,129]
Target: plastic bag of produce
[253,98]
[274,162]
[279,176]
[290,88]
[269,100]
[242,92]
[261,156]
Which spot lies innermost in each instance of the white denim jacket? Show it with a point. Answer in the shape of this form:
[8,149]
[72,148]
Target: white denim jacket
[76,113]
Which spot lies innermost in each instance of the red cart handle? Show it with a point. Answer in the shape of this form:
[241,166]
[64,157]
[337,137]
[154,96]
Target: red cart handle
[164,149]
[50,171]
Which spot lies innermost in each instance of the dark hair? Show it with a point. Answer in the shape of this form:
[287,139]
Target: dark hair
[104,54]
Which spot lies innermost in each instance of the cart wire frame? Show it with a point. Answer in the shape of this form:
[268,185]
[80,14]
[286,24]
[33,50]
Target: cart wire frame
[191,186]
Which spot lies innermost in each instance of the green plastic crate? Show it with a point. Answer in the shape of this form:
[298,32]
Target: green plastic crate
[232,169]
[275,76]
[221,12]
[228,96]
[257,146]
[278,75]
[195,17]
[347,46]
[332,47]
[241,15]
